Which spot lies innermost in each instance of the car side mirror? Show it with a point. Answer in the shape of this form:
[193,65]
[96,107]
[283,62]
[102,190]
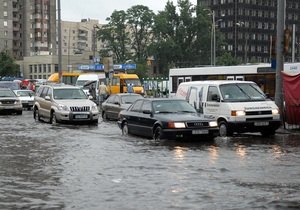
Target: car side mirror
[215,97]
[147,112]
[47,98]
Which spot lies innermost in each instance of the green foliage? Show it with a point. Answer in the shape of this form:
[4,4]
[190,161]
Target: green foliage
[8,67]
[178,36]
[227,60]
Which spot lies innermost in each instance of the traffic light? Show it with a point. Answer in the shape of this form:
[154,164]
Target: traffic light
[287,39]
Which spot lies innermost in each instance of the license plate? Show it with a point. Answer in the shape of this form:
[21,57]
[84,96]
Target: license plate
[261,123]
[194,132]
[81,116]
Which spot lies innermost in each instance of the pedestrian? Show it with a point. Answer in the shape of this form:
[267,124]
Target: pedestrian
[92,91]
[31,86]
[130,88]
[102,92]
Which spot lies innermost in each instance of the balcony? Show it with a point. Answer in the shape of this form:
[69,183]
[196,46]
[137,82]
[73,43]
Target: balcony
[15,19]
[16,29]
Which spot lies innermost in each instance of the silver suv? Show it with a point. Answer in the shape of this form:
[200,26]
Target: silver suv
[64,103]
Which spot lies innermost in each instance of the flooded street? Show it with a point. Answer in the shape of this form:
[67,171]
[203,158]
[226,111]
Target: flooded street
[94,167]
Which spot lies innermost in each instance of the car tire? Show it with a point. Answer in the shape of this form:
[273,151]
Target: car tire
[53,119]
[36,115]
[224,130]
[158,133]
[268,133]
[125,130]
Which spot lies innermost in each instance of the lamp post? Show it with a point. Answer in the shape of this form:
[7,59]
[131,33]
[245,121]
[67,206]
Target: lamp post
[59,41]
[94,41]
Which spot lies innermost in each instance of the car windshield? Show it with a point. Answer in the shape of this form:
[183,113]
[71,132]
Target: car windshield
[129,99]
[70,93]
[11,85]
[7,93]
[134,82]
[242,92]
[172,106]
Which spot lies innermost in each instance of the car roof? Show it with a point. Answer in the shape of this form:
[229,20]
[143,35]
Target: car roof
[60,86]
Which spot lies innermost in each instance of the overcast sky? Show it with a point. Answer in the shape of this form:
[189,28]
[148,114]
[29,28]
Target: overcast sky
[75,10]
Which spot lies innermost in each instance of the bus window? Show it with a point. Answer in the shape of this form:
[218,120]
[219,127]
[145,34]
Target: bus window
[188,79]
[230,78]
[180,80]
[239,78]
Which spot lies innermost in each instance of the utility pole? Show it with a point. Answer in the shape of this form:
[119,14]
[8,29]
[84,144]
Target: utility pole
[59,41]
[281,5]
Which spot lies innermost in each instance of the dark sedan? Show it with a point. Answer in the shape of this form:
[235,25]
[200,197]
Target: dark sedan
[117,102]
[166,119]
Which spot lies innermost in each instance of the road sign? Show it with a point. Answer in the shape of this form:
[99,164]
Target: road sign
[100,67]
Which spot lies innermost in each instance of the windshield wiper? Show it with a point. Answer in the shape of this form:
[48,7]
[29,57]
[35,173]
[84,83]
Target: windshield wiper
[241,89]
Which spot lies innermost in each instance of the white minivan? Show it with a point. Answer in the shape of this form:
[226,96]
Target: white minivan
[238,106]
[85,80]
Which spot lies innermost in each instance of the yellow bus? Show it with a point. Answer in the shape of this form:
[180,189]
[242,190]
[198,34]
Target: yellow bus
[120,81]
[66,77]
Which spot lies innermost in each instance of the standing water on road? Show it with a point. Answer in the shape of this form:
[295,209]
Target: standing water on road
[93,167]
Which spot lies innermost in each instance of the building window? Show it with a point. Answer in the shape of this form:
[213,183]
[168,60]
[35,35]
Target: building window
[5,23]
[44,68]
[35,68]
[30,68]
[49,68]
[5,13]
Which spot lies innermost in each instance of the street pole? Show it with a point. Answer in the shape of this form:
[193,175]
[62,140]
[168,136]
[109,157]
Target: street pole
[214,30]
[59,41]
[293,44]
[279,53]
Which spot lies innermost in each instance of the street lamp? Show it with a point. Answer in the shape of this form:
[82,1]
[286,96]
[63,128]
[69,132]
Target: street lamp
[94,41]
[213,37]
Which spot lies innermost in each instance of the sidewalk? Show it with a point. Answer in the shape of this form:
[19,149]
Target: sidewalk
[289,129]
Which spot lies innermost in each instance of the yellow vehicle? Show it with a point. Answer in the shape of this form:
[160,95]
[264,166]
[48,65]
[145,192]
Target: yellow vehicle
[66,77]
[120,81]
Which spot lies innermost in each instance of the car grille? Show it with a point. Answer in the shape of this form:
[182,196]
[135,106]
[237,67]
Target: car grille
[7,102]
[80,108]
[197,124]
[259,112]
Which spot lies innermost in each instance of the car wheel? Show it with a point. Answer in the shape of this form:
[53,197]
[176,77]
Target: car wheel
[36,115]
[158,133]
[53,119]
[224,130]
[125,130]
[268,133]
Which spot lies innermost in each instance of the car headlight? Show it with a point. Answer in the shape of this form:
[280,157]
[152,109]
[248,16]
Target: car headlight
[238,113]
[213,124]
[176,125]
[94,107]
[63,107]
[275,111]
[18,102]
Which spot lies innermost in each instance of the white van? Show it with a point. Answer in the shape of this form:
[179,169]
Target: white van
[238,106]
[83,81]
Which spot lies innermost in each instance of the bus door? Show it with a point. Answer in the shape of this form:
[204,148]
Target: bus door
[117,85]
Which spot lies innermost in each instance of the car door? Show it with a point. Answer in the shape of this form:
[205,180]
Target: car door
[115,108]
[133,117]
[42,101]
[212,105]
[109,106]
[146,120]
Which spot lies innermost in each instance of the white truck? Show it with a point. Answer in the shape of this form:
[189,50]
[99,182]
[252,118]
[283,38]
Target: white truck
[238,106]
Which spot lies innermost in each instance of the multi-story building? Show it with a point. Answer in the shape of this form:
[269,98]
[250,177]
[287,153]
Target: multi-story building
[249,25]
[28,27]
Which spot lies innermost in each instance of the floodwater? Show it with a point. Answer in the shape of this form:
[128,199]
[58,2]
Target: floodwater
[94,167]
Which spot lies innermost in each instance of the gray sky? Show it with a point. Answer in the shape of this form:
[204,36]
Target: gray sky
[75,10]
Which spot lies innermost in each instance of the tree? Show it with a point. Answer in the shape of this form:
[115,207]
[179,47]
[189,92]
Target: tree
[115,36]
[8,67]
[227,60]
[140,20]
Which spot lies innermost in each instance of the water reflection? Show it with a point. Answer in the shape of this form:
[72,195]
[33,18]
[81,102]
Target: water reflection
[213,154]
[240,151]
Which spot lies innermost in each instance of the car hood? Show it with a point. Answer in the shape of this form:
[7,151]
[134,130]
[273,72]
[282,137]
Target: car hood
[76,102]
[180,117]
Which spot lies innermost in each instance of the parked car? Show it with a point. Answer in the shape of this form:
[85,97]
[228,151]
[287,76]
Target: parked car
[58,102]
[10,84]
[9,102]
[26,97]
[160,118]
[117,102]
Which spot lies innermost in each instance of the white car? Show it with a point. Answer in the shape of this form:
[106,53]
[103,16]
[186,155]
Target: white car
[26,97]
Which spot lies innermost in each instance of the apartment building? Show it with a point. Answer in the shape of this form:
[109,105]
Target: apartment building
[249,25]
[28,27]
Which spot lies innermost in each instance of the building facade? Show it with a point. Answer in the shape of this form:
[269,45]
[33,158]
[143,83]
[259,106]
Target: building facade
[248,26]
[28,27]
